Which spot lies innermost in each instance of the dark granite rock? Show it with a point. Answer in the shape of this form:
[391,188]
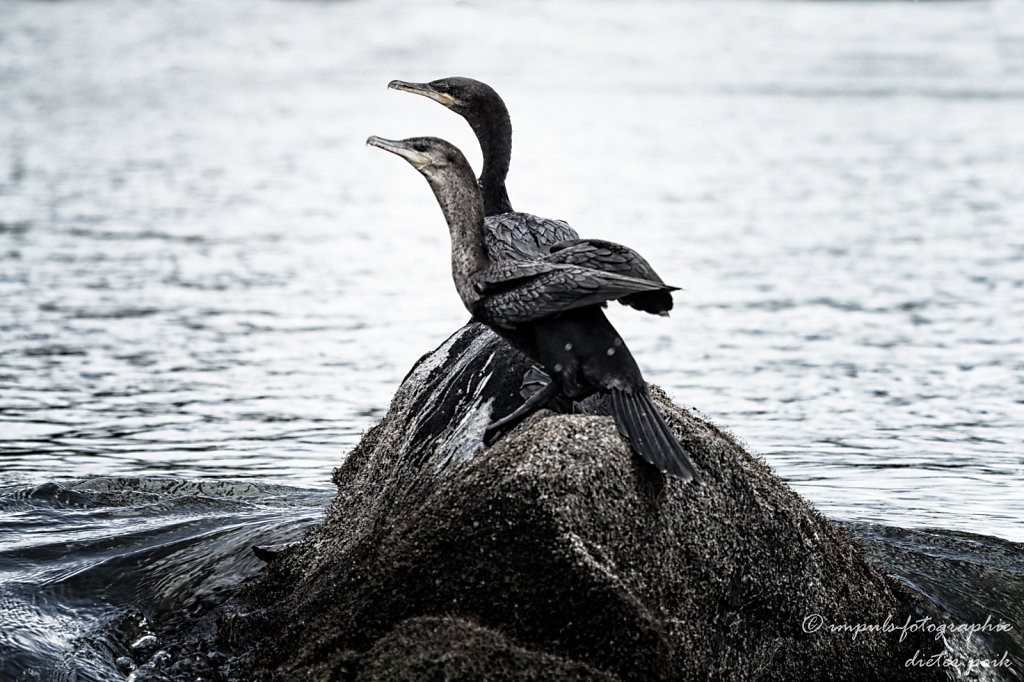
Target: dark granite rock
[558,554]
[456,650]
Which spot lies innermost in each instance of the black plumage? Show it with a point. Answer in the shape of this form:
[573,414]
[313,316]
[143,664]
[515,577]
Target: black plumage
[612,257]
[549,310]
[523,236]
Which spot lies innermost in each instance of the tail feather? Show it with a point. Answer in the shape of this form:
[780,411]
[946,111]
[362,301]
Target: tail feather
[664,445]
[629,422]
[641,423]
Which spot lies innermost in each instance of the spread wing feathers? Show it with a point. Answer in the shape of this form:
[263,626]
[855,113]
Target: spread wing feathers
[514,293]
[602,255]
[523,236]
[508,274]
[612,257]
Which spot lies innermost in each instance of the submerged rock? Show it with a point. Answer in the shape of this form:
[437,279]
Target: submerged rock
[559,554]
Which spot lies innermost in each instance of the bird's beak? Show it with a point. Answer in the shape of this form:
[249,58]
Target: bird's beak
[417,159]
[425,90]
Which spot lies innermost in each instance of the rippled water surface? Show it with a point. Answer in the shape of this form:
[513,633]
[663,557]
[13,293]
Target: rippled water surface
[85,564]
[205,274]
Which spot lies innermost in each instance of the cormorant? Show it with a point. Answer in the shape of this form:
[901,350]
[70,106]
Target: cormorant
[551,311]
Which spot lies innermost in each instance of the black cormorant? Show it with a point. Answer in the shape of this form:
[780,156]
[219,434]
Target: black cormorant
[551,311]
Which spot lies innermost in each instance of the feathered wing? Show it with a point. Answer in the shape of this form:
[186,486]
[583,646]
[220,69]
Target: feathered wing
[518,292]
[611,257]
[602,255]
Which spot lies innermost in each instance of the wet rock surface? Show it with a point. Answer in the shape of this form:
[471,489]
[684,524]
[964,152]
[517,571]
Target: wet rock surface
[559,554]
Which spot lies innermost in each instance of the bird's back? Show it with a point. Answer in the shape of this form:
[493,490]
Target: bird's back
[523,236]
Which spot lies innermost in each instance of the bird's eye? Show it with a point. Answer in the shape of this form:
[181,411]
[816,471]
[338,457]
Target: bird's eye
[442,87]
[420,146]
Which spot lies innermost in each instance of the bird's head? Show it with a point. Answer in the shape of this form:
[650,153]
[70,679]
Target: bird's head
[464,96]
[431,156]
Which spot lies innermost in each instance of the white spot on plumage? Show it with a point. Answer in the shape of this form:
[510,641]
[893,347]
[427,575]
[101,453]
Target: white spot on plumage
[568,346]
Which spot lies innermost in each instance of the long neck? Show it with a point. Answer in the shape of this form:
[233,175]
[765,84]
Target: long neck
[463,210]
[494,132]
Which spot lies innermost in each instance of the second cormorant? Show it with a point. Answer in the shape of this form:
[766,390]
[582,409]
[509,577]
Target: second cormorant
[551,311]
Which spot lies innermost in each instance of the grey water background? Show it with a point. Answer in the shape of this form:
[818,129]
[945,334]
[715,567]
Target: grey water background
[210,288]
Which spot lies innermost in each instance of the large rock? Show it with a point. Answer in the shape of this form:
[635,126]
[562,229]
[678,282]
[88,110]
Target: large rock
[558,554]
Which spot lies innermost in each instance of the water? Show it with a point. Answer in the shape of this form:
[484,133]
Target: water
[85,563]
[206,276]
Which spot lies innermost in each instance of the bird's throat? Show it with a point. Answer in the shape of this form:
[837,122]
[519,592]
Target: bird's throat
[463,210]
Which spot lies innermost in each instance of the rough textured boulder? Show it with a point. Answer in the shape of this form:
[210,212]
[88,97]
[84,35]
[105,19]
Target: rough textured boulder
[558,554]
